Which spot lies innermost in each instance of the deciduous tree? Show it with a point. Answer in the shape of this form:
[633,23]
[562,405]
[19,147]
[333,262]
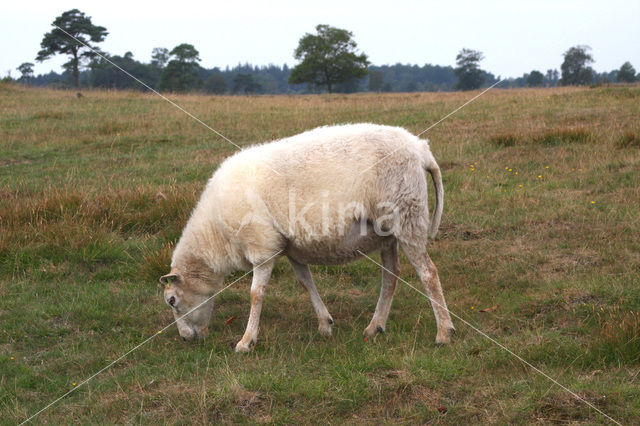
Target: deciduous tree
[575,69]
[181,73]
[328,58]
[535,79]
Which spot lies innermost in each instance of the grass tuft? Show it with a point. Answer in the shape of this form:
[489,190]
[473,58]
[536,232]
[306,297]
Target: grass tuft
[51,115]
[617,338]
[628,140]
[155,263]
[506,139]
[562,137]
[555,137]
[538,242]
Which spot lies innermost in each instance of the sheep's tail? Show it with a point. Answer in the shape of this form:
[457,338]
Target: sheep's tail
[434,170]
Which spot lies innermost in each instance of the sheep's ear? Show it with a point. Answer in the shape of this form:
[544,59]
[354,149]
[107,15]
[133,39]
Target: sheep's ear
[171,277]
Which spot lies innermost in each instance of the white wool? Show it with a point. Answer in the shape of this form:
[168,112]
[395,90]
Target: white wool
[246,211]
[325,196]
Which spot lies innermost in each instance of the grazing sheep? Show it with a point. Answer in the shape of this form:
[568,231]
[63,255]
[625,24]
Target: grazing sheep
[321,197]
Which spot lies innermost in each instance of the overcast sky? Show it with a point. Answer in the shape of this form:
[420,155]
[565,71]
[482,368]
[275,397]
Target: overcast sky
[515,36]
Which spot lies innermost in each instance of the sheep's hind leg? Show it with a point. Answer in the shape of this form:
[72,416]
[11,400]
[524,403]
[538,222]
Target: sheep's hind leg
[303,274]
[429,276]
[389,257]
[261,275]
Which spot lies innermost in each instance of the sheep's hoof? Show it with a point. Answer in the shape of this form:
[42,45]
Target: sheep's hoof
[444,336]
[372,330]
[244,347]
[325,330]
[324,326]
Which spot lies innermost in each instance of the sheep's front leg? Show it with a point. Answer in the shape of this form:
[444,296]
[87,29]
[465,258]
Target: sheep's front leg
[261,274]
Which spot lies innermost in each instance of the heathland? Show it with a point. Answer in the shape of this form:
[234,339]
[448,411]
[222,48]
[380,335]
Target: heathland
[539,248]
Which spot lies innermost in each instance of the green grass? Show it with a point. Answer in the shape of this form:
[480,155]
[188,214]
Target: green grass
[541,219]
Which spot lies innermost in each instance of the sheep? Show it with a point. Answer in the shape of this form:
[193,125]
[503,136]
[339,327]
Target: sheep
[325,196]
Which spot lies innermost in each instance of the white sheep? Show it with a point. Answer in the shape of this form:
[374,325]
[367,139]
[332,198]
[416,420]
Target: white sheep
[321,197]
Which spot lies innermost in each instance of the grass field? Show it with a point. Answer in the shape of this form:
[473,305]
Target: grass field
[542,221]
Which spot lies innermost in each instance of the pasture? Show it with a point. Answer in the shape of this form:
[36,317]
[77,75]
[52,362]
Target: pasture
[541,226]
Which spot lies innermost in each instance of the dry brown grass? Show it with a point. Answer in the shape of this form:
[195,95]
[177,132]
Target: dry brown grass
[541,219]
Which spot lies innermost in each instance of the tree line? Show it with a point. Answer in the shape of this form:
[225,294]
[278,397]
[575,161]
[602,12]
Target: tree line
[329,61]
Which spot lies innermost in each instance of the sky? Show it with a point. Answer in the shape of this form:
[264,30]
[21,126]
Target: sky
[514,36]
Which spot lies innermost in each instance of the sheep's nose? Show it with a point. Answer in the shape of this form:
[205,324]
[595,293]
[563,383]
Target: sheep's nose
[171,301]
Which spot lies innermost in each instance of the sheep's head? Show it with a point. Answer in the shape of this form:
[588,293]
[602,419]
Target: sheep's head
[190,299]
